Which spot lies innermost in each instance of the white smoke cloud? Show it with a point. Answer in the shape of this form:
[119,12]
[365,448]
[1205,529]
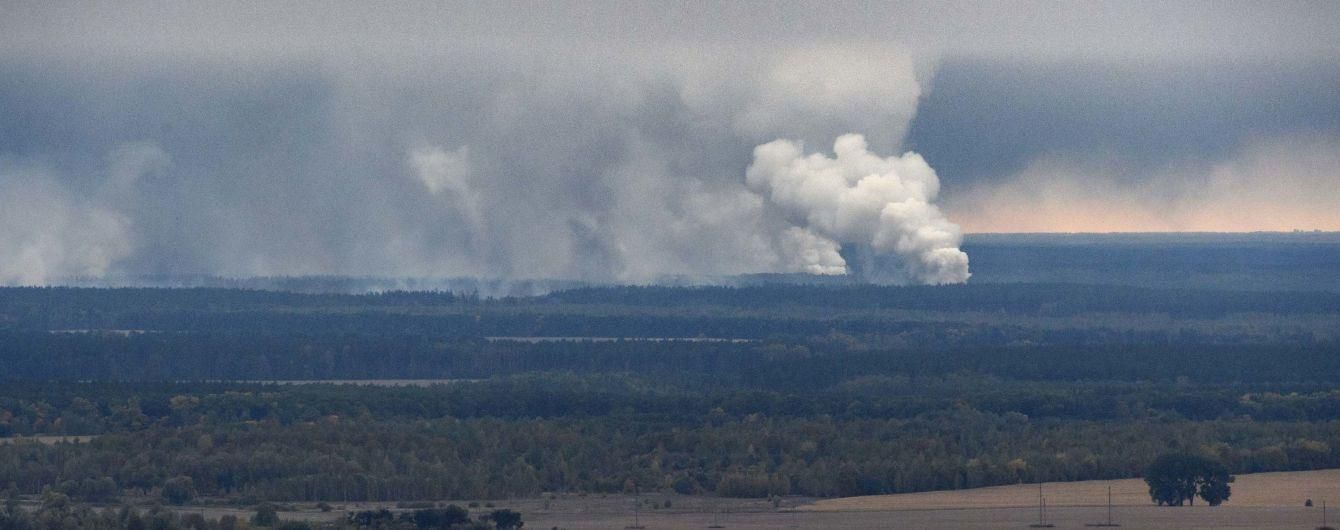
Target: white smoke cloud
[447,174]
[859,197]
[443,171]
[493,162]
[50,232]
[46,234]
[818,93]
[811,253]
[665,220]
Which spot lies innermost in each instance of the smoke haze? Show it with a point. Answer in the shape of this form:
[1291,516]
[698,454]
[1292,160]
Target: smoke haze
[621,141]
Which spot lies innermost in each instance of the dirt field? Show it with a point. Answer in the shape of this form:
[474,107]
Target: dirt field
[1255,490]
[1128,517]
[1262,501]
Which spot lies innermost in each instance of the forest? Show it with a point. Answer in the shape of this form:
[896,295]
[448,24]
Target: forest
[769,387]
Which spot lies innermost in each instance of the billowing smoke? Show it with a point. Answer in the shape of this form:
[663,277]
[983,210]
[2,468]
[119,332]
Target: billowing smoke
[48,233]
[859,197]
[611,143]
[481,162]
[488,158]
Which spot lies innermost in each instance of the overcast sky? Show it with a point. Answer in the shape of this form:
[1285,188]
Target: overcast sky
[611,140]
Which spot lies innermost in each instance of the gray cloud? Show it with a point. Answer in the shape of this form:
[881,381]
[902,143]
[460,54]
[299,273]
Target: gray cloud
[989,119]
[1272,184]
[1085,30]
[602,140]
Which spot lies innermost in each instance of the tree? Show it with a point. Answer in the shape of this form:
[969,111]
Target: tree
[506,519]
[1175,479]
[1214,486]
[179,490]
[448,517]
[266,516]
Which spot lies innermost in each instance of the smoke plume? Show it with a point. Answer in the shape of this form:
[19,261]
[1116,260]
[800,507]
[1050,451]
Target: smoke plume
[859,197]
[612,142]
[47,233]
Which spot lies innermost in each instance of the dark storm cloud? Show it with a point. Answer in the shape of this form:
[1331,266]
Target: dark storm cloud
[985,119]
[595,140]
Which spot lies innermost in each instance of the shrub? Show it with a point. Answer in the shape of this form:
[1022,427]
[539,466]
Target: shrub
[179,490]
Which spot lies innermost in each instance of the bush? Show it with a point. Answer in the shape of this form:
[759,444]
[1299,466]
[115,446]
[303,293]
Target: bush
[179,490]
[266,516]
[90,490]
[371,518]
[506,519]
[441,517]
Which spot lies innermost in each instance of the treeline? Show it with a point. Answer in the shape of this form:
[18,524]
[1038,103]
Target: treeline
[555,433]
[57,511]
[1036,298]
[348,459]
[580,311]
[89,408]
[809,363]
[33,409]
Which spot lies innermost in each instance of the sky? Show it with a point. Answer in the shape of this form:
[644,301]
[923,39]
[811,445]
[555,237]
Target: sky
[629,141]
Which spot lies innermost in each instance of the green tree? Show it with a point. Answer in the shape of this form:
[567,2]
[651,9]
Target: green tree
[266,516]
[1175,479]
[506,519]
[448,517]
[179,490]
[1214,482]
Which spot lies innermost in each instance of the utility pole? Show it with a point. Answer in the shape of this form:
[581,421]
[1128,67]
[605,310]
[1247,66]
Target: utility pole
[637,509]
[1042,511]
[1109,522]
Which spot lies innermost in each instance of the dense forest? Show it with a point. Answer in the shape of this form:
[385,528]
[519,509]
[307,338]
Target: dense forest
[758,389]
[524,435]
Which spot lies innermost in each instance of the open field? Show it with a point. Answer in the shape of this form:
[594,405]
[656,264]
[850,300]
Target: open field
[1255,490]
[616,513]
[1263,500]
[1148,517]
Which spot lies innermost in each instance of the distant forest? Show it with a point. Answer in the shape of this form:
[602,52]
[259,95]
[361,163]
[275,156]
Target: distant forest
[753,390]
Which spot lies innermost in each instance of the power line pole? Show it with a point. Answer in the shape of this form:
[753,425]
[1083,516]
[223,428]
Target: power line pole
[1042,511]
